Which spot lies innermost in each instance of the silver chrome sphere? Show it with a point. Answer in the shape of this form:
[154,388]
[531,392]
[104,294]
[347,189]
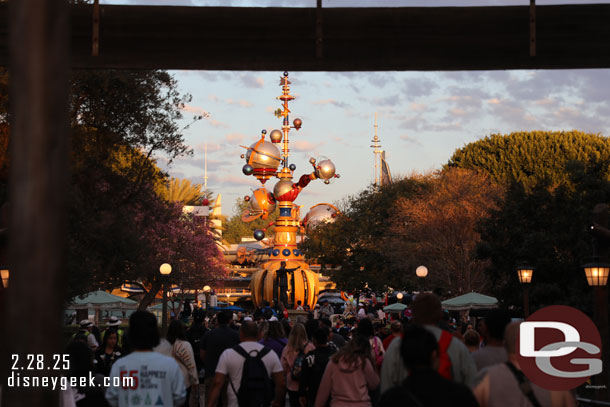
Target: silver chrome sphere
[318,214]
[264,155]
[325,169]
[282,187]
[276,136]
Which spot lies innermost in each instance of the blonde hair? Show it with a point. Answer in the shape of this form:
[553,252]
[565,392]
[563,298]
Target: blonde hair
[297,338]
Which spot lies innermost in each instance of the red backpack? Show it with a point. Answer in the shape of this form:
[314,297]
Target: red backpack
[444,368]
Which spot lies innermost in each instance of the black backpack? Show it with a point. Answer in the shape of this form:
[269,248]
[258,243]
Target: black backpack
[256,388]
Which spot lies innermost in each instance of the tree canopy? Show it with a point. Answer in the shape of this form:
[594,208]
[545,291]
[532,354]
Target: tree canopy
[529,158]
[121,228]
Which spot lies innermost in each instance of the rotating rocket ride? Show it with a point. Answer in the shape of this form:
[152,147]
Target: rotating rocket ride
[295,282]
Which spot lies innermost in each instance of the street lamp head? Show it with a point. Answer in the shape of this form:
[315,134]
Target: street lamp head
[165,269]
[399,296]
[4,273]
[206,289]
[421,271]
[525,273]
[597,273]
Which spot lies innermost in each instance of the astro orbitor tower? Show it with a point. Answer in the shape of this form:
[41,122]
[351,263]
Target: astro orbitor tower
[263,161]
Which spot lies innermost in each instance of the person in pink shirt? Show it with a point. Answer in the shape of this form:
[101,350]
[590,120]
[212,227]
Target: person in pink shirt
[297,343]
[349,376]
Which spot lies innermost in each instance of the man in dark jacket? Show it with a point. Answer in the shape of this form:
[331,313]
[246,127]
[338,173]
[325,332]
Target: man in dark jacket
[424,386]
[314,366]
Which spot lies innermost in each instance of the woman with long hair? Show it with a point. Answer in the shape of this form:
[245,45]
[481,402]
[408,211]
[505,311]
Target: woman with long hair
[294,353]
[275,338]
[108,353]
[182,351]
[366,329]
[349,376]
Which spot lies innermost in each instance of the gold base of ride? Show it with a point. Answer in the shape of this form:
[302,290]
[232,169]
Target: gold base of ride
[303,284]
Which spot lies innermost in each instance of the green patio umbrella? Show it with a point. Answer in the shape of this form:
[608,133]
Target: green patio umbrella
[470,301]
[396,307]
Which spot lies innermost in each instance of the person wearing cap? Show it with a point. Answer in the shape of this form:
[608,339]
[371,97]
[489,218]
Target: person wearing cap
[326,308]
[115,323]
[86,327]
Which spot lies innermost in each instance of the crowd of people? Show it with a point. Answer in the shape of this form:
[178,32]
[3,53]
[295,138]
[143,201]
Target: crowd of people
[266,358]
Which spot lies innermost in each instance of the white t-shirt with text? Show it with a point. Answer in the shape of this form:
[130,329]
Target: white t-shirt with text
[157,381]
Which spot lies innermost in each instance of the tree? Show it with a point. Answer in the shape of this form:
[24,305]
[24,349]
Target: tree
[355,244]
[182,190]
[235,228]
[552,181]
[438,228]
[545,227]
[528,158]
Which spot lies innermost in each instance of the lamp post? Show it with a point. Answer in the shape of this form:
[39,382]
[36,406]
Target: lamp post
[165,271]
[597,277]
[525,273]
[206,291]
[4,273]
[421,272]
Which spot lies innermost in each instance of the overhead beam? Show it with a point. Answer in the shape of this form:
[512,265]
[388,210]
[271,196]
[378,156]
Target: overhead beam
[337,39]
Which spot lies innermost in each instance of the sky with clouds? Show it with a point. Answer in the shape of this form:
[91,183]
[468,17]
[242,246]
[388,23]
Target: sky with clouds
[423,117]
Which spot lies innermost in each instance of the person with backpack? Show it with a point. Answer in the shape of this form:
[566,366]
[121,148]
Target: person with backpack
[293,357]
[455,360]
[253,372]
[314,366]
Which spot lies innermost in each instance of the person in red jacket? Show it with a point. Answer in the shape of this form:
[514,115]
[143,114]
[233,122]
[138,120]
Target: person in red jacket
[396,328]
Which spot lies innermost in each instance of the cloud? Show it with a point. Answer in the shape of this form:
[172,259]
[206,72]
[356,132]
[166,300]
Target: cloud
[417,107]
[332,102]
[251,81]
[410,139]
[218,124]
[239,181]
[494,101]
[415,88]
[390,100]
[444,127]
[212,147]
[229,101]
[196,109]
[457,112]
[234,138]
[304,145]
[545,102]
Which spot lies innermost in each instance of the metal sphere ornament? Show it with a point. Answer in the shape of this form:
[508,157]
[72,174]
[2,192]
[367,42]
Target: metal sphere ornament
[263,154]
[297,123]
[247,169]
[276,136]
[319,214]
[247,198]
[292,167]
[242,156]
[325,169]
[262,202]
[263,131]
[205,202]
[259,234]
[281,188]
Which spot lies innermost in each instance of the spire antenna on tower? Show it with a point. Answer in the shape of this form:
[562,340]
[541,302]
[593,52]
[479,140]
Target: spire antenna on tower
[377,151]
